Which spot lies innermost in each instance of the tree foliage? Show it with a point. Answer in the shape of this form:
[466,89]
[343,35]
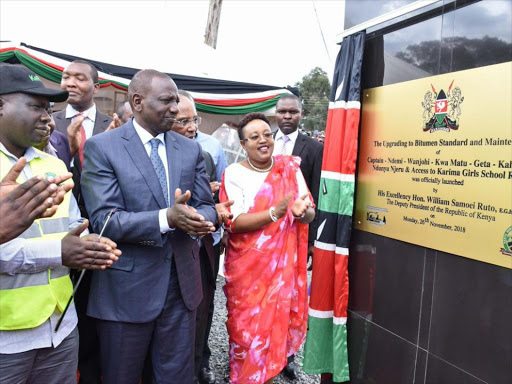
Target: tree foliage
[314,91]
[467,53]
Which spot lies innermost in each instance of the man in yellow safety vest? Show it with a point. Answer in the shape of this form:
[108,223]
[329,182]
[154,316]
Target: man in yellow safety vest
[34,267]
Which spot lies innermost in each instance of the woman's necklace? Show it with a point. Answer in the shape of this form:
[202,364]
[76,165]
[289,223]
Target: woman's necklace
[259,169]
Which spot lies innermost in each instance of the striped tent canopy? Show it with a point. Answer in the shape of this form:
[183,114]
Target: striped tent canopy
[211,95]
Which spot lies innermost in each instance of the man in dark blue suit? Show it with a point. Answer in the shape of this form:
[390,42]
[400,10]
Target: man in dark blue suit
[60,144]
[148,302]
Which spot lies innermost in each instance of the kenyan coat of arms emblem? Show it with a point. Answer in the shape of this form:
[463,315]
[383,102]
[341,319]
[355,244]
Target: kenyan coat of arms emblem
[441,111]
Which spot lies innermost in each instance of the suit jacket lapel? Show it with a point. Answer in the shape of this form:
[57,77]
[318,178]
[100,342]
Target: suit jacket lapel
[99,124]
[174,164]
[140,158]
[61,123]
[300,143]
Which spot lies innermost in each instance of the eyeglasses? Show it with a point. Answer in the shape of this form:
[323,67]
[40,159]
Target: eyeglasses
[185,122]
[256,138]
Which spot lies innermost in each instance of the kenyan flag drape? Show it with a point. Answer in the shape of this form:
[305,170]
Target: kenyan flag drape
[216,103]
[326,343]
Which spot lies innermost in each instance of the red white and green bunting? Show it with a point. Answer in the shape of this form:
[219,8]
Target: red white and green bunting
[326,342]
[51,68]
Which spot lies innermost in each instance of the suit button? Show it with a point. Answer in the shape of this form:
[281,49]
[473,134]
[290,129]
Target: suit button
[167,259]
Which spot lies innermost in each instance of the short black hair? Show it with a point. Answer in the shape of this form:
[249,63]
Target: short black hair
[94,71]
[290,96]
[247,119]
[141,83]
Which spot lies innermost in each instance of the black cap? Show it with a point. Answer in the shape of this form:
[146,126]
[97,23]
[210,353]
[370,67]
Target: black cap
[16,78]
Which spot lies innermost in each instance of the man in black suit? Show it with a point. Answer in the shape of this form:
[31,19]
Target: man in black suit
[289,141]
[80,121]
[186,124]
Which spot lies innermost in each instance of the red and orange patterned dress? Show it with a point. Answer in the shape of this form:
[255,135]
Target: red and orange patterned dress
[266,282]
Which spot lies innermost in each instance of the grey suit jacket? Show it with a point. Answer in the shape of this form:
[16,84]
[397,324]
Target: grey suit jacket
[118,174]
[101,123]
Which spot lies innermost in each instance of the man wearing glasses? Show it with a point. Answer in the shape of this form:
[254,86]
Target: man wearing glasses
[211,145]
[187,123]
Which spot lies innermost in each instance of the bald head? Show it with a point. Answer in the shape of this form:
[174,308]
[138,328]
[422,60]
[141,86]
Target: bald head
[186,121]
[124,111]
[183,93]
[141,82]
[154,100]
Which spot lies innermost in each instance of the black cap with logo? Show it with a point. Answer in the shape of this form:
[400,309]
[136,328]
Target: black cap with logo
[16,78]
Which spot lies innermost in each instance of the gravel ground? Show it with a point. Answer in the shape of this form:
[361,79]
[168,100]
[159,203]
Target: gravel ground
[219,362]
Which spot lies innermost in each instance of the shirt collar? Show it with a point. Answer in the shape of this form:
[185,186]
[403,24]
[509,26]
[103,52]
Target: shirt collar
[49,148]
[90,113]
[30,153]
[292,136]
[145,136]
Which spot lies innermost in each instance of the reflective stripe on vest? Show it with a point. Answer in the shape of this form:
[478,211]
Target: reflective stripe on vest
[21,280]
[29,307]
[46,227]
[31,232]
[50,225]
[27,300]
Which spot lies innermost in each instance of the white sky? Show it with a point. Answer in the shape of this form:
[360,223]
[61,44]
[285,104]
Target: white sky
[266,42]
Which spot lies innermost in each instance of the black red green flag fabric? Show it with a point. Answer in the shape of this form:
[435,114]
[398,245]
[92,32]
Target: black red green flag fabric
[211,95]
[326,342]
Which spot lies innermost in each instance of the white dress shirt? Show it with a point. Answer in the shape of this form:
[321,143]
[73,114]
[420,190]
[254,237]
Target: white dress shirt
[146,137]
[88,122]
[289,145]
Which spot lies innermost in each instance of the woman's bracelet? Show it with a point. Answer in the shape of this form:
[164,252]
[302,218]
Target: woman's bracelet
[301,216]
[271,213]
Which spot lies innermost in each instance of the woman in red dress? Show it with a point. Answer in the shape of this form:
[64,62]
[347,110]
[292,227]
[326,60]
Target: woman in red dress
[266,258]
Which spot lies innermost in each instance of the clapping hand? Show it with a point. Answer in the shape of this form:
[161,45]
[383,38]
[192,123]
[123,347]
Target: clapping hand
[282,207]
[300,206]
[57,193]
[115,123]
[186,218]
[74,135]
[88,252]
[215,186]
[37,188]
[222,212]
[22,204]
